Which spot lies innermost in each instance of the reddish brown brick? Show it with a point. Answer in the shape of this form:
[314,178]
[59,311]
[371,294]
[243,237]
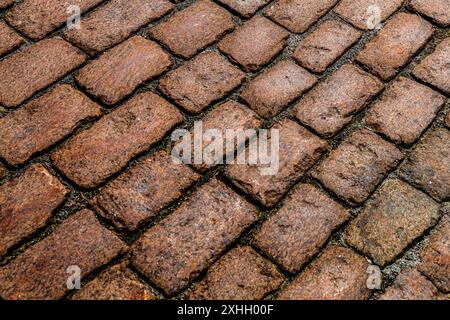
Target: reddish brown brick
[298,151]
[325,45]
[406,109]
[332,104]
[139,194]
[357,166]
[435,68]
[269,93]
[396,43]
[28,202]
[241,274]
[427,167]
[120,70]
[447,120]
[230,115]
[245,7]
[361,13]
[300,228]
[114,22]
[435,256]
[397,215]
[255,43]
[176,250]
[437,10]
[43,63]
[411,285]
[43,122]
[192,29]
[338,274]
[116,283]
[37,18]
[298,15]
[6,3]
[201,81]
[80,240]
[9,39]
[105,148]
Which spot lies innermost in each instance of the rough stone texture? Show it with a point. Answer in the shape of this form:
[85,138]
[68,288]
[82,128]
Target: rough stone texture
[397,215]
[37,18]
[201,81]
[190,30]
[116,283]
[269,93]
[105,148]
[80,240]
[362,13]
[3,172]
[435,68]
[43,122]
[435,256]
[332,104]
[300,228]
[299,149]
[6,3]
[411,285]
[27,203]
[245,7]
[357,166]
[139,194]
[241,274]
[177,249]
[230,115]
[120,70]
[9,39]
[437,10]
[325,45]
[42,63]
[397,42]
[255,43]
[427,167]
[447,120]
[406,109]
[114,22]
[298,15]
[338,274]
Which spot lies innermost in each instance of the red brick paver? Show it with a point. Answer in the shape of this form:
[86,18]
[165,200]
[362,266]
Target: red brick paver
[325,44]
[437,10]
[298,15]
[201,81]
[245,7]
[357,166]
[396,43]
[296,232]
[406,109]
[435,256]
[102,150]
[120,70]
[255,43]
[43,122]
[190,30]
[339,273]
[9,39]
[241,274]
[6,3]
[411,285]
[37,18]
[299,149]
[42,63]
[270,92]
[139,194]
[116,283]
[28,202]
[332,103]
[398,215]
[114,22]
[178,248]
[79,241]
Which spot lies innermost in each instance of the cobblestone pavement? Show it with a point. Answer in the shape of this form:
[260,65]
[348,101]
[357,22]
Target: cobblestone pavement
[87,180]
